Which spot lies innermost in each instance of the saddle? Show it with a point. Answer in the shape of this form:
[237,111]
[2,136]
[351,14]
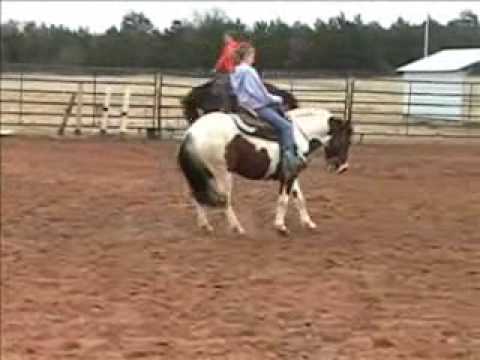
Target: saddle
[250,123]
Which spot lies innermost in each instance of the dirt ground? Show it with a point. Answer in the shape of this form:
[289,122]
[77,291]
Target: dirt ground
[101,258]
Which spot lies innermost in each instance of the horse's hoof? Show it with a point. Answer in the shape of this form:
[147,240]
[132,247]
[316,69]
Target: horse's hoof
[283,230]
[310,225]
[238,230]
[207,228]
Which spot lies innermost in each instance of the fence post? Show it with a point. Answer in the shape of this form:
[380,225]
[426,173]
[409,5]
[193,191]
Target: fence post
[470,103]
[106,109]
[68,111]
[125,106]
[351,99]
[407,124]
[94,110]
[155,99]
[20,115]
[151,130]
[346,99]
[159,109]
[78,129]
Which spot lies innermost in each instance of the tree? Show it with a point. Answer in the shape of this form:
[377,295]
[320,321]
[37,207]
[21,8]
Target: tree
[467,19]
[136,22]
[335,44]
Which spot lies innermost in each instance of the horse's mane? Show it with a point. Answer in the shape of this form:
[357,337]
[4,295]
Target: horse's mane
[288,97]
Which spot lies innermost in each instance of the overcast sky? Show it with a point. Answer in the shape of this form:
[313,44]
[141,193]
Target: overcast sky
[100,15]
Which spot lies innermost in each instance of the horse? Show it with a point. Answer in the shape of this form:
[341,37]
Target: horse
[219,145]
[203,97]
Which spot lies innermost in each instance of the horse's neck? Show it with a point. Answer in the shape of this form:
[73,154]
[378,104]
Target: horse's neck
[301,138]
[312,123]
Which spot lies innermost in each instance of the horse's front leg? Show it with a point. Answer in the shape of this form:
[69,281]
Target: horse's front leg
[229,213]
[202,219]
[282,208]
[301,205]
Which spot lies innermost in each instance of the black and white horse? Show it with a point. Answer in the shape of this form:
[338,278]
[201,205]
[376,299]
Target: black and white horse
[216,146]
[202,100]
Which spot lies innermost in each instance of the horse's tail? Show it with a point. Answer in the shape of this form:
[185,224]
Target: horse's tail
[200,179]
[190,110]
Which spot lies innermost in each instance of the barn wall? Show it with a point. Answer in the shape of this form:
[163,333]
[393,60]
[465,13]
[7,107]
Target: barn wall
[436,105]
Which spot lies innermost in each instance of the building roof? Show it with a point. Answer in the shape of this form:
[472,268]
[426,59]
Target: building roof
[444,60]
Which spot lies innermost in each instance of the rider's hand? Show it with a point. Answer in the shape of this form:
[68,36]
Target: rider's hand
[277,99]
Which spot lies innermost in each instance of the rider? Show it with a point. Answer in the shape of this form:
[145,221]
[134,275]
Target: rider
[252,94]
[224,66]
[225,63]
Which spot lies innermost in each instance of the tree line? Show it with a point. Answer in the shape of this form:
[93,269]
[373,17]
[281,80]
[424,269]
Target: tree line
[338,44]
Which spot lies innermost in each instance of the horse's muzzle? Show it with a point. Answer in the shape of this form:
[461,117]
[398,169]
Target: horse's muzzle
[338,169]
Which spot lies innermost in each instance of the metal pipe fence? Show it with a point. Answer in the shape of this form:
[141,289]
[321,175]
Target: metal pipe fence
[385,106]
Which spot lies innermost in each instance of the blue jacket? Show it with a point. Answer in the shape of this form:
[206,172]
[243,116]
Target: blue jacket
[249,88]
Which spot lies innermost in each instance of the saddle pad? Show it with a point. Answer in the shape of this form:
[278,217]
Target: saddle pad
[249,123]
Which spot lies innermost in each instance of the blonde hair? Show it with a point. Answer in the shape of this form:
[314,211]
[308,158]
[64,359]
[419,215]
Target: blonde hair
[243,50]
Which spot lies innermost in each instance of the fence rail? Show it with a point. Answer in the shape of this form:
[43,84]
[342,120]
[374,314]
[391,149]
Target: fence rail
[151,103]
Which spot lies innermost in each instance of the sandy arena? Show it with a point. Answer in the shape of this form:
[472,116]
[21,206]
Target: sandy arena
[101,258]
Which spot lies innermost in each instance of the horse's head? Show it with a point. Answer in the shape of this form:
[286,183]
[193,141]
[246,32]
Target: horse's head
[324,130]
[338,144]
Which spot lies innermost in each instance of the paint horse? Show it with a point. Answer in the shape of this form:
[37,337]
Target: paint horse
[203,100]
[219,145]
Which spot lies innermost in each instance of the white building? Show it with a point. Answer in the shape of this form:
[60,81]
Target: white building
[440,84]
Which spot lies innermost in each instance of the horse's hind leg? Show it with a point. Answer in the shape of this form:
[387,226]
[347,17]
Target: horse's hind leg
[229,213]
[302,206]
[202,220]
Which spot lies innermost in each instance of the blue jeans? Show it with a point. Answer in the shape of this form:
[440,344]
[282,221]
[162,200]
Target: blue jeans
[282,125]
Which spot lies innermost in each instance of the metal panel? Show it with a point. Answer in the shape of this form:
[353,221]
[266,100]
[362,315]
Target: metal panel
[426,100]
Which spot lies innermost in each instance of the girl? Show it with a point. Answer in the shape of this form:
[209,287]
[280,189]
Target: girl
[252,94]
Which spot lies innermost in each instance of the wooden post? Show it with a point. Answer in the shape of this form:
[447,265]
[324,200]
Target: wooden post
[125,106]
[470,101]
[347,99]
[159,103]
[155,99]
[78,129]
[106,109]
[362,135]
[20,104]
[350,99]
[68,112]
[94,112]
[409,102]
[151,130]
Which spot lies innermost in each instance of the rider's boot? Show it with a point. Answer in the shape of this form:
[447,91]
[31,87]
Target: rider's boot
[292,164]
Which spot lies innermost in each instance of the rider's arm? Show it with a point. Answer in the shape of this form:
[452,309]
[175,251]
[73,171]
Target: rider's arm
[254,84]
